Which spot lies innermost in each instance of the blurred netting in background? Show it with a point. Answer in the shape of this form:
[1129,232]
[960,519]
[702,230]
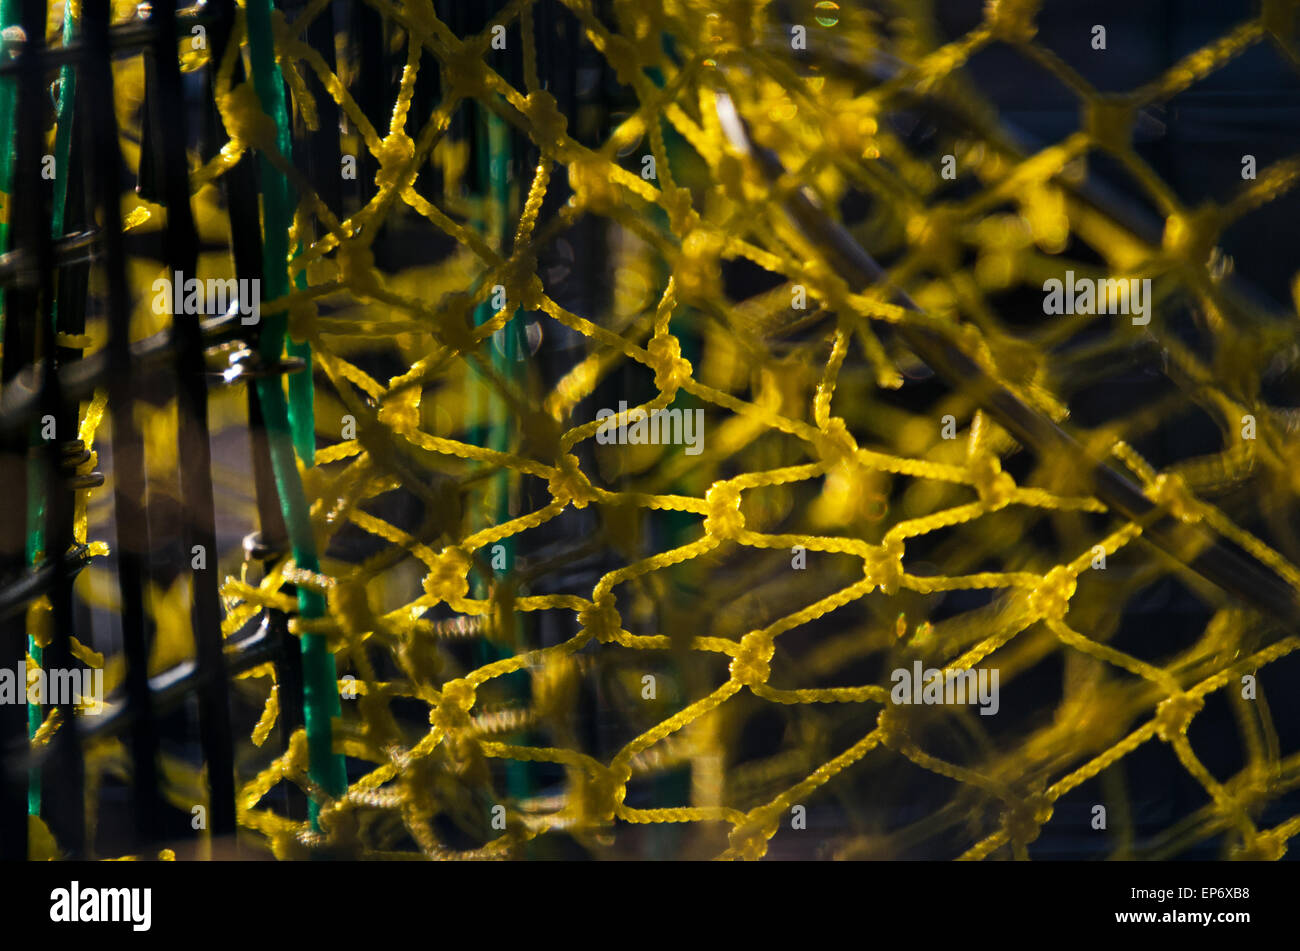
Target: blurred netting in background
[546,647]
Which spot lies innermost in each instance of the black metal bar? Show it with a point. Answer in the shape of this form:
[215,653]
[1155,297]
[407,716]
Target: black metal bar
[168,689]
[18,350]
[286,649]
[64,771]
[105,164]
[149,173]
[74,251]
[371,91]
[18,268]
[26,306]
[131,39]
[19,403]
[13,626]
[39,580]
[320,153]
[195,454]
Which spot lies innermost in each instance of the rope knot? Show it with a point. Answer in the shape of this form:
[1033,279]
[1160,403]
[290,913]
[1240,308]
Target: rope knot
[461,60]
[994,486]
[724,519]
[883,565]
[1190,237]
[448,580]
[835,444]
[602,619]
[452,712]
[1175,714]
[1013,20]
[1171,491]
[1263,847]
[599,795]
[749,839]
[751,665]
[523,287]
[394,152]
[1051,597]
[592,186]
[1024,820]
[891,726]
[671,371]
[549,123]
[246,123]
[570,485]
[399,409]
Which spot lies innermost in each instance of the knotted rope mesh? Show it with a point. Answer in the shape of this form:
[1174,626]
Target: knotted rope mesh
[726,666]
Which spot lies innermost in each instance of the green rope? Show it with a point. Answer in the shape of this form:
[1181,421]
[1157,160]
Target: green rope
[320,680]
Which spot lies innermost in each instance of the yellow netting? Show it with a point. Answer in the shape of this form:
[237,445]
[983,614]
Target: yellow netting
[804,448]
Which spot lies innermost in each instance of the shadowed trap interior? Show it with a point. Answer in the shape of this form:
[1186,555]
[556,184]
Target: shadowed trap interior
[663,429]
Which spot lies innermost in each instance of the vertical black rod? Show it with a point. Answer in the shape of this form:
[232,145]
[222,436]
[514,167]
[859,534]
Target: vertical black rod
[65,810]
[371,92]
[19,349]
[321,153]
[104,163]
[286,647]
[192,428]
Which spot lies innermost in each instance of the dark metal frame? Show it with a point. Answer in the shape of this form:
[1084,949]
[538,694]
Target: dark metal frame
[40,378]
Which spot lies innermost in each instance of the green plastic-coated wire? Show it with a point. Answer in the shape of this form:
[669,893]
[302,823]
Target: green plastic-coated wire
[494,175]
[320,680]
